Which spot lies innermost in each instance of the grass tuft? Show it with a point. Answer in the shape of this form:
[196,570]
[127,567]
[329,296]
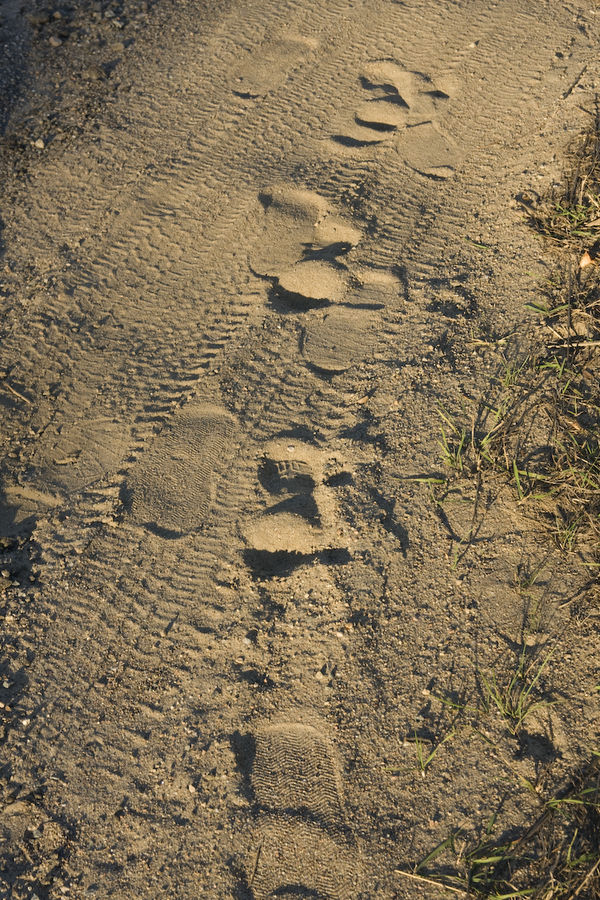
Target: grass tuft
[570,214]
[538,428]
[519,693]
[557,857]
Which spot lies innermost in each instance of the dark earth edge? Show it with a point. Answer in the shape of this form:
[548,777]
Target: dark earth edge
[62,66]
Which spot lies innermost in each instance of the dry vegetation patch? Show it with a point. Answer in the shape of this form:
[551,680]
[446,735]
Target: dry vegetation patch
[538,428]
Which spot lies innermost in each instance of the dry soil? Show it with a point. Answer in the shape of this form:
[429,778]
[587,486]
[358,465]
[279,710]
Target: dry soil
[252,252]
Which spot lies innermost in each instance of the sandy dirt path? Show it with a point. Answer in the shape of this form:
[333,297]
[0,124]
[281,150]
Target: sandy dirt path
[258,280]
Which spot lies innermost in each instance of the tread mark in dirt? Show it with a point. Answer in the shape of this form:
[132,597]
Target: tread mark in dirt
[334,340]
[429,151]
[303,844]
[173,485]
[404,106]
[268,64]
[77,454]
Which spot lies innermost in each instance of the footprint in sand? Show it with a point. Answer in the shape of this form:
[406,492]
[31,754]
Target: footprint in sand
[172,487]
[303,844]
[401,106]
[265,67]
[300,245]
[298,225]
[429,151]
[74,455]
[69,458]
[299,524]
[347,333]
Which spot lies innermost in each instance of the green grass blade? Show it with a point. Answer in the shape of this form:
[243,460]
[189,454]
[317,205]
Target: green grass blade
[437,851]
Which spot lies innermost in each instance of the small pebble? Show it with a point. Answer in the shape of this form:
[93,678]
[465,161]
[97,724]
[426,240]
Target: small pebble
[38,19]
[95,73]
[39,144]
[54,41]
